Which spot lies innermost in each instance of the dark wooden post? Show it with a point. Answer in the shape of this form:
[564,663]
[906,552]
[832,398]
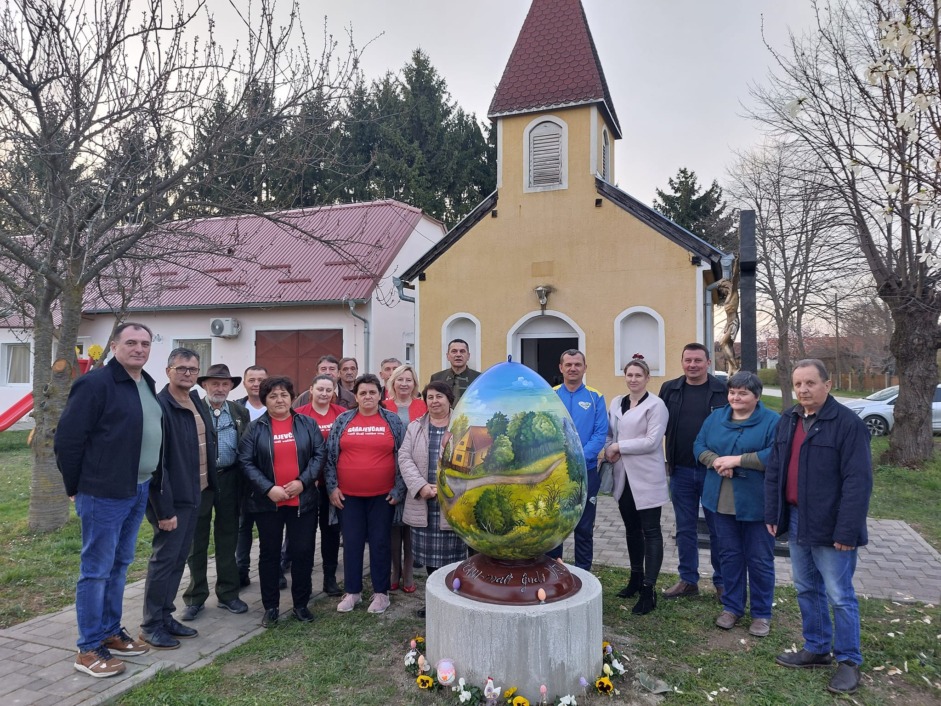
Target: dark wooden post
[748,262]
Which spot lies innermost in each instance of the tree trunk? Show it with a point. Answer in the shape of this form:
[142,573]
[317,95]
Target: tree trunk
[784,366]
[48,503]
[913,345]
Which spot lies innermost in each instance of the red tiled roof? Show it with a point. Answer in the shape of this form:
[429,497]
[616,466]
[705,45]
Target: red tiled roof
[554,64]
[302,256]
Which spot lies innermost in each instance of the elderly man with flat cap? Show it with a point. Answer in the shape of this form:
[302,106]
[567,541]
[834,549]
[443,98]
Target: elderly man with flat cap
[229,423]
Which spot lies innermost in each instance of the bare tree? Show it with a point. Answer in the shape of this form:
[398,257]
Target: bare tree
[108,127]
[861,93]
[803,247]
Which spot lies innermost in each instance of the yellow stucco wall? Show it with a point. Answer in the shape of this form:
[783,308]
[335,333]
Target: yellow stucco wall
[599,260]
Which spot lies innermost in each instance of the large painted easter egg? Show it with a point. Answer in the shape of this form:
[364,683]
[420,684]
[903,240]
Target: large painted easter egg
[511,478]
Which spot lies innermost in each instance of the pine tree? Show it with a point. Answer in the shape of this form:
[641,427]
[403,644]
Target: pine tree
[700,212]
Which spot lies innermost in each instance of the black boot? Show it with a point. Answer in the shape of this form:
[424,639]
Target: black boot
[633,586]
[330,586]
[647,601]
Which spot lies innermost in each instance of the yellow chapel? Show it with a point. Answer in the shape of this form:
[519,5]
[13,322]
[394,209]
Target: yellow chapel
[558,257]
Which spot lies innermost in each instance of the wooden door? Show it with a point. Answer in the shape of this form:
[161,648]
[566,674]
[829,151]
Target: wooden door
[295,353]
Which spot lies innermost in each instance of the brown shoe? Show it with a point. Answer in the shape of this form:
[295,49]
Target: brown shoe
[125,645]
[681,589]
[98,663]
[760,627]
[727,620]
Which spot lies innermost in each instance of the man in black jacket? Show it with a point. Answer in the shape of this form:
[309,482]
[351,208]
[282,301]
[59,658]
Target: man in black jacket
[222,498]
[107,448]
[690,399]
[189,455]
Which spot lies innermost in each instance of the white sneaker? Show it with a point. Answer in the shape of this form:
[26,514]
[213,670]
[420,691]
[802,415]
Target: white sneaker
[380,602]
[348,601]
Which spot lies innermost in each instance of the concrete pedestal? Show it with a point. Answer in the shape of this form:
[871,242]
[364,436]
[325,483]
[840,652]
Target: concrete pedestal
[523,646]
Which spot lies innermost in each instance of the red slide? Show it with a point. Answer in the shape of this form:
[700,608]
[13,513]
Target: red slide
[16,412]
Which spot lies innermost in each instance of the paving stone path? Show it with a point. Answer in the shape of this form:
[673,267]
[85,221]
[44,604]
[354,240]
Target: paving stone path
[36,656]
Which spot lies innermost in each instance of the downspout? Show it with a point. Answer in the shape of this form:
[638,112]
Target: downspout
[400,288]
[365,321]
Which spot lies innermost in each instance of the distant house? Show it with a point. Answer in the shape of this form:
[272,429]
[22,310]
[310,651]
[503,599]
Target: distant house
[472,449]
[277,299]
[558,257]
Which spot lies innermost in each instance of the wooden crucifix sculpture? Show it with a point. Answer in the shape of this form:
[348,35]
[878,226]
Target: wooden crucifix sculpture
[728,298]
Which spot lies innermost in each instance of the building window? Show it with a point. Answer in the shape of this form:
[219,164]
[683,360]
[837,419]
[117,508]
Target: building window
[639,330]
[203,346]
[546,146]
[15,362]
[467,328]
[605,156]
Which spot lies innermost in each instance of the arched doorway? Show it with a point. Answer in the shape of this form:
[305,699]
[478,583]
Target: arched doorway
[538,340]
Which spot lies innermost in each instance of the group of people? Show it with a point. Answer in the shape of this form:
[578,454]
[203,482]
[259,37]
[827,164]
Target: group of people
[357,455]
[758,475]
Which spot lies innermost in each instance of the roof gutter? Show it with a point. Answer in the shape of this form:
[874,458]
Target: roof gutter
[352,305]
[400,288]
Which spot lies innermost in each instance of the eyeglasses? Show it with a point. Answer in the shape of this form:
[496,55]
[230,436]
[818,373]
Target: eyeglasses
[184,370]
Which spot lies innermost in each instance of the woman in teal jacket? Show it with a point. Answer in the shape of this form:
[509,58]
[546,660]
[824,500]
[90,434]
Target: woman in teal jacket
[734,443]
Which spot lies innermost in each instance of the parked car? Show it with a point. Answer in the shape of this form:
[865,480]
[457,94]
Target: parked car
[878,410]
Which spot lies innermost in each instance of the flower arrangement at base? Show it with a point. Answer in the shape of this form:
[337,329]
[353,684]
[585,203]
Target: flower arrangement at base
[444,674]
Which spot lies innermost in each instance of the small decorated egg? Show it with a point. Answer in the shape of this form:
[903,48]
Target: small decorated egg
[541,595]
[446,671]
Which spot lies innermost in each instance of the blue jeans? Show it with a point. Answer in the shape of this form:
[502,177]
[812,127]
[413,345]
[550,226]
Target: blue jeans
[746,550]
[823,577]
[362,518]
[584,530]
[686,493]
[109,538]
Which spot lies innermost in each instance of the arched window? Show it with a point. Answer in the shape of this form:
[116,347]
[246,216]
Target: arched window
[639,330]
[466,327]
[544,161]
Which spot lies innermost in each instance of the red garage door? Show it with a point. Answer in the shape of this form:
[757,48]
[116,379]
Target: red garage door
[295,353]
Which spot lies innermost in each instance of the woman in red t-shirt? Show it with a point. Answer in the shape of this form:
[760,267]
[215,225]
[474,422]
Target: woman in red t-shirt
[323,410]
[363,479]
[405,401]
[281,455]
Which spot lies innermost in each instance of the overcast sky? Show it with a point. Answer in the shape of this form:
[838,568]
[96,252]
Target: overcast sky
[678,70]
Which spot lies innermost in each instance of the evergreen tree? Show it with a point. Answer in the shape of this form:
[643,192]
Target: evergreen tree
[700,212]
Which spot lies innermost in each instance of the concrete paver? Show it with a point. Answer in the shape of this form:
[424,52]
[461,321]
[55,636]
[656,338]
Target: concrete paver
[36,656]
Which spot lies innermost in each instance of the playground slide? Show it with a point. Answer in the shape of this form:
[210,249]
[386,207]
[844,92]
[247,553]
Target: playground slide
[16,412]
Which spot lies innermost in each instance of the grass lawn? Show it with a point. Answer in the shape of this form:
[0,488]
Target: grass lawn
[356,659]
[38,571]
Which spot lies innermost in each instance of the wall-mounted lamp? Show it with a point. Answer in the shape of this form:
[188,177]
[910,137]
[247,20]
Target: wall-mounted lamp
[542,293]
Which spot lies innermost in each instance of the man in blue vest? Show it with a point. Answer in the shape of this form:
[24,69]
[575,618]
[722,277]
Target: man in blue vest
[590,414]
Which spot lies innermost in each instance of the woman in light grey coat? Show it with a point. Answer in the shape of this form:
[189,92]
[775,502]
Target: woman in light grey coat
[637,422]
[434,543]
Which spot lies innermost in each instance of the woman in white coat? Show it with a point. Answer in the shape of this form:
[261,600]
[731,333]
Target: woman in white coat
[637,422]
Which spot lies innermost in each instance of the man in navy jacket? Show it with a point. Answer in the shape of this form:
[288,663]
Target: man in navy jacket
[817,487]
[107,448]
[175,495]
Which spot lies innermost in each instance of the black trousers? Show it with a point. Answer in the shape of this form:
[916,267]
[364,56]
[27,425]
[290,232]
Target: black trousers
[165,568]
[301,533]
[644,536]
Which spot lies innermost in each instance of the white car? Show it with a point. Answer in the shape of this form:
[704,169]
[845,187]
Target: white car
[878,410]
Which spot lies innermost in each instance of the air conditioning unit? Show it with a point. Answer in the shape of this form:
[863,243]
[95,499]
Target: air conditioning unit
[224,328]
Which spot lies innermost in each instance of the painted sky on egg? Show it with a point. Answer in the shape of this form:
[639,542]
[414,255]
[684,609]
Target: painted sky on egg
[509,388]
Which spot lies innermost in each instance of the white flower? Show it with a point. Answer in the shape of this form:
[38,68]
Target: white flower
[618,666]
[410,658]
[568,701]
[794,107]
[464,696]
[906,120]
